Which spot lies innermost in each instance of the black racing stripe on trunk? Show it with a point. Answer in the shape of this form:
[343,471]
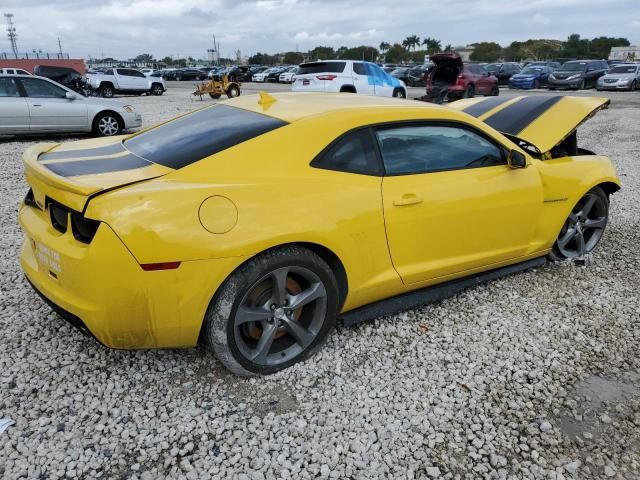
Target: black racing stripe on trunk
[88,152]
[90,167]
[485,105]
[515,118]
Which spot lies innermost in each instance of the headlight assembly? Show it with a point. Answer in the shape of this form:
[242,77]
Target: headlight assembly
[129,108]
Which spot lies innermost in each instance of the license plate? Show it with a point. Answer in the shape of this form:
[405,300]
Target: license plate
[306,82]
[47,258]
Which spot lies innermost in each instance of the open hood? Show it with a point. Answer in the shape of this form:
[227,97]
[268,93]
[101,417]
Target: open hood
[72,173]
[542,121]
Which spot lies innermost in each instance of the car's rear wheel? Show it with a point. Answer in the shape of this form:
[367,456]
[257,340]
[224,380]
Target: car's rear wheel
[274,311]
[536,84]
[495,91]
[584,228]
[107,124]
[399,93]
[469,92]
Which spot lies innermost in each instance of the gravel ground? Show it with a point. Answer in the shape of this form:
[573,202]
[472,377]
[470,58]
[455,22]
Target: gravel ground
[533,376]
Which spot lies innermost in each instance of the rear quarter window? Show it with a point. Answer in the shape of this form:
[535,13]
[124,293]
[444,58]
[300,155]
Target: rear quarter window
[190,138]
[322,67]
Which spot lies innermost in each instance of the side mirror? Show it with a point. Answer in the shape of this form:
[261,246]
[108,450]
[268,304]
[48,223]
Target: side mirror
[70,96]
[516,159]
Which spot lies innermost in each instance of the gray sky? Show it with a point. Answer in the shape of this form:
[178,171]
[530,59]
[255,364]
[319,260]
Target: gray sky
[125,28]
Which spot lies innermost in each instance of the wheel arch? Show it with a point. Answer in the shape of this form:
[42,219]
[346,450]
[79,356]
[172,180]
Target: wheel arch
[609,187]
[348,89]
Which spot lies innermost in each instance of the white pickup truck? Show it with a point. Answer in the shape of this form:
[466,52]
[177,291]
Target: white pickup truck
[125,80]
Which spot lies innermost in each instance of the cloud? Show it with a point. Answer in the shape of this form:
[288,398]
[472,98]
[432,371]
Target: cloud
[125,28]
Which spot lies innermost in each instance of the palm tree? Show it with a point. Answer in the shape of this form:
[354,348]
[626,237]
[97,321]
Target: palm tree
[433,45]
[384,46]
[411,42]
[448,47]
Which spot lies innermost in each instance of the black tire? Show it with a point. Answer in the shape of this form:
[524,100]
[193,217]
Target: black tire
[178,79]
[399,93]
[586,226]
[581,85]
[348,90]
[233,91]
[107,124]
[229,340]
[215,95]
[633,86]
[156,89]
[469,92]
[536,84]
[495,91]
[106,91]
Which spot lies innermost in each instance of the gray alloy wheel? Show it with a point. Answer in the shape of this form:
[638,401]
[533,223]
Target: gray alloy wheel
[107,125]
[156,89]
[273,311]
[106,91]
[585,226]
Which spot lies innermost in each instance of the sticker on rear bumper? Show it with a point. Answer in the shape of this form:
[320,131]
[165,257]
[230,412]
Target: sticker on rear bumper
[47,257]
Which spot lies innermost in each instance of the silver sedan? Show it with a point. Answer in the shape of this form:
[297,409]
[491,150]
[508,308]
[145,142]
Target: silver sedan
[37,105]
[624,76]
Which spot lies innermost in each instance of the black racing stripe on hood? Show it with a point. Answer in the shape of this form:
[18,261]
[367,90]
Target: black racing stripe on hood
[86,152]
[515,118]
[91,167]
[485,105]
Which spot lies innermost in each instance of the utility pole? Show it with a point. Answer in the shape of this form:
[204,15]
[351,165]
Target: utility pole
[11,33]
[60,47]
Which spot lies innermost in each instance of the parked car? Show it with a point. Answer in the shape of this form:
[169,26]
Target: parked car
[389,67]
[147,71]
[37,105]
[452,79]
[287,75]
[503,71]
[13,71]
[65,76]
[347,76]
[125,80]
[578,74]
[248,75]
[166,238]
[274,75]
[411,76]
[261,77]
[544,63]
[620,77]
[532,76]
[190,74]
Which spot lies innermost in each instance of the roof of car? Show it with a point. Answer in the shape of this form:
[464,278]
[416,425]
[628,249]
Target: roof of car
[294,106]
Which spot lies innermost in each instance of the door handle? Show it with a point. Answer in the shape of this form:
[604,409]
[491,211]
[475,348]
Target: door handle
[36,105]
[408,199]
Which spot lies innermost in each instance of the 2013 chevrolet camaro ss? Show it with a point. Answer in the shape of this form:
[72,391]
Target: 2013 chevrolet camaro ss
[255,223]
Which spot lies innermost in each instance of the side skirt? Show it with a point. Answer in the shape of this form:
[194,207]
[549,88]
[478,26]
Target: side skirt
[432,294]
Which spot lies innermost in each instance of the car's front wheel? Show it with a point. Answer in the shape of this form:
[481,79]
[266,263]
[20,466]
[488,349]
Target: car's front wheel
[584,228]
[157,89]
[469,92]
[107,124]
[274,311]
[399,93]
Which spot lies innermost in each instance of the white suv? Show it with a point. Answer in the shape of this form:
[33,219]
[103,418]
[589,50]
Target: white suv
[347,76]
[13,71]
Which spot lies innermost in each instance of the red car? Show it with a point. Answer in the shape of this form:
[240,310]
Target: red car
[451,79]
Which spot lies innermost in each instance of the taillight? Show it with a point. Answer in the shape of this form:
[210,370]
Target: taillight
[84,229]
[327,77]
[59,217]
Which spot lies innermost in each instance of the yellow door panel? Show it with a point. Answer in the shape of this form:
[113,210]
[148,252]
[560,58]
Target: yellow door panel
[464,219]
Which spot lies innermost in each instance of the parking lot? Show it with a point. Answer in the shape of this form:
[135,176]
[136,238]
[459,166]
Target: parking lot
[533,376]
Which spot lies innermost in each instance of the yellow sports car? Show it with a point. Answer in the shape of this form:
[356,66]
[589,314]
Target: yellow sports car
[257,222]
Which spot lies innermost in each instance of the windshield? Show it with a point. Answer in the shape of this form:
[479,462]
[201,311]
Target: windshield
[399,71]
[627,69]
[574,67]
[492,67]
[532,70]
[197,135]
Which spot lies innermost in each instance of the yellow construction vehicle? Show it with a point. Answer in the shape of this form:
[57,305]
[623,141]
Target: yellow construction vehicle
[219,86]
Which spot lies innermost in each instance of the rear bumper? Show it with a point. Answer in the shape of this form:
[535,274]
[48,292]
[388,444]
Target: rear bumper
[101,288]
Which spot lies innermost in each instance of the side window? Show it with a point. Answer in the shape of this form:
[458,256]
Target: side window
[123,72]
[8,88]
[433,148]
[10,71]
[37,88]
[355,153]
[137,73]
[22,72]
[359,68]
